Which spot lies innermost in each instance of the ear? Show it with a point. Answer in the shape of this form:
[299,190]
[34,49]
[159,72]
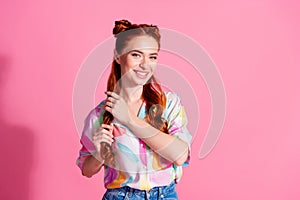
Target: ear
[116,56]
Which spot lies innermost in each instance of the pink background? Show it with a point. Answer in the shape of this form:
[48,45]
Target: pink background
[255,45]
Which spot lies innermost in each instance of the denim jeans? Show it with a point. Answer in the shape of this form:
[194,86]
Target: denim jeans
[157,193]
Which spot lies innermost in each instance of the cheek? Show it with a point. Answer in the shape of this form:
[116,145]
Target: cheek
[153,67]
[127,68]
[130,64]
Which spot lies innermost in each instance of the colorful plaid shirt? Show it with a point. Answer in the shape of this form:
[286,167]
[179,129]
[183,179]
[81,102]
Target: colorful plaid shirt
[137,165]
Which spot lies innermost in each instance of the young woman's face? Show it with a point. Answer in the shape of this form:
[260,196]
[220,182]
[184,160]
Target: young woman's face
[139,60]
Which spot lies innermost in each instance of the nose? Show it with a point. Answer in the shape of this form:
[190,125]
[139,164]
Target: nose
[143,63]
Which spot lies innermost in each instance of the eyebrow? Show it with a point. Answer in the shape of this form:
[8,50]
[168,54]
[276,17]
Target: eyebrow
[142,52]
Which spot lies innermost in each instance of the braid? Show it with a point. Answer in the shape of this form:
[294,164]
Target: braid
[152,92]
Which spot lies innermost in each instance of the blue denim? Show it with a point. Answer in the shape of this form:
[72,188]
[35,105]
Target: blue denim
[157,193]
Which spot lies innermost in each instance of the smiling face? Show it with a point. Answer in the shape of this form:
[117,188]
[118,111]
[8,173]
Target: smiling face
[138,60]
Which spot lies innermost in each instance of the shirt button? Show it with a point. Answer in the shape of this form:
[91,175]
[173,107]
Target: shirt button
[162,196]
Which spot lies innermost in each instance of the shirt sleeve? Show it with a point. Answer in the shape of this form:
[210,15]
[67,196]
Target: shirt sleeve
[177,121]
[91,123]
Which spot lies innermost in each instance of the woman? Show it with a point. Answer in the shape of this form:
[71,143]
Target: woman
[139,132]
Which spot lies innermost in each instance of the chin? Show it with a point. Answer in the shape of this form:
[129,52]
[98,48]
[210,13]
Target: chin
[142,81]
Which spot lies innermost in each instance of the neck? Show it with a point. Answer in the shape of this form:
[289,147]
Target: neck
[132,94]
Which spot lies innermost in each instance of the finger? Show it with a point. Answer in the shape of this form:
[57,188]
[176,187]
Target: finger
[109,135]
[108,141]
[107,138]
[100,138]
[113,94]
[111,99]
[109,104]
[104,131]
[98,131]
[109,127]
[109,109]
[107,132]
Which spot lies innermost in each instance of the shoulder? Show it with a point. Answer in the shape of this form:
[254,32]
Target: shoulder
[96,113]
[172,99]
[173,104]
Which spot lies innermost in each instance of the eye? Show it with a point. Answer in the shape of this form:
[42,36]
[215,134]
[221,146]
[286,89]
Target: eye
[135,54]
[153,57]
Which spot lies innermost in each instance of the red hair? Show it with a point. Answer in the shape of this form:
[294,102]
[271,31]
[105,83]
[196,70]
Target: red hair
[152,93]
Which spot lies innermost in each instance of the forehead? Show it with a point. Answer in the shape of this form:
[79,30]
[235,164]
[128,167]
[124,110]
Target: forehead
[145,44]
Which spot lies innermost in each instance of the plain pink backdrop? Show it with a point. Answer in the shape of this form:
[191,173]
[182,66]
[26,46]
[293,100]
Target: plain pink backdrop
[255,45]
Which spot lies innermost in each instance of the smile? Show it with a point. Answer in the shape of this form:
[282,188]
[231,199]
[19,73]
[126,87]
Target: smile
[141,74]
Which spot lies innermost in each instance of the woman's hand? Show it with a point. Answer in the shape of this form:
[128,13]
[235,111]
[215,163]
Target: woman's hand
[116,105]
[103,134]
[93,164]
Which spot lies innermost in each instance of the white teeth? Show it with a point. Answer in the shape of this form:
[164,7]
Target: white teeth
[142,73]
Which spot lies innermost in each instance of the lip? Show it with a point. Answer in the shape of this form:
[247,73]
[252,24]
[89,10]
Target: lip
[135,70]
[143,75]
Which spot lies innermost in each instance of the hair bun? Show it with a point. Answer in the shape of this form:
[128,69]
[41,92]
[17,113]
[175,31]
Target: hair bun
[123,22]
[121,25]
